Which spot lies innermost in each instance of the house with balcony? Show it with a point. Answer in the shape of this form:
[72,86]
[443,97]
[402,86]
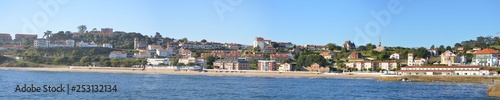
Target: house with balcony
[486,57]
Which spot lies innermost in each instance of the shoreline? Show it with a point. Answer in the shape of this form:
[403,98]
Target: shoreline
[451,79]
[173,72]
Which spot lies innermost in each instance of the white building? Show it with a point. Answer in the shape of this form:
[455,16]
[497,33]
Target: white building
[198,61]
[267,65]
[158,61]
[83,44]
[164,52]
[44,43]
[395,56]
[415,61]
[446,70]
[154,47]
[107,45]
[285,67]
[117,54]
[261,43]
[486,57]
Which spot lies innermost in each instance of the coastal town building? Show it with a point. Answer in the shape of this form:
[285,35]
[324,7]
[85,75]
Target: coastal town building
[142,54]
[266,65]
[349,45]
[433,52]
[449,58]
[138,44]
[269,50]
[29,37]
[231,64]
[5,37]
[446,70]
[254,57]
[315,47]
[486,57]
[153,47]
[233,46]
[185,52]
[198,61]
[355,55]
[103,32]
[285,67]
[107,45]
[164,52]
[261,43]
[327,55]
[372,65]
[415,61]
[284,45]
[117,54]
[315,67]
[280,57]
[158,61]
[396,56]
[44,43]
[83,44]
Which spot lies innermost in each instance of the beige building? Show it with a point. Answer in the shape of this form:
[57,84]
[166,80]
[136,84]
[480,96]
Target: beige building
[231,64]
[449,58]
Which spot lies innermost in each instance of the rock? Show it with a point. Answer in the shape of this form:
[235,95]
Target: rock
[494,89]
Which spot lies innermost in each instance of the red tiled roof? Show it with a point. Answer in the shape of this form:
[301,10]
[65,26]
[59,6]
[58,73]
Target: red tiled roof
[487,51]
[253,55]
[279,56]
[118,52]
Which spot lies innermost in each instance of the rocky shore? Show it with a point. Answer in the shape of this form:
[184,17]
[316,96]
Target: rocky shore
[494,89]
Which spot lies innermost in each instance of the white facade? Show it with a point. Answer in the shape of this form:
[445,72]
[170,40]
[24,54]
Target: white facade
[155,61]
[198,61]
[415,62]
[43,43]
[285,67]
[107,45]
[164,52]
[83,44]
[446,70]
[117,54]
[395,56]
[154,47]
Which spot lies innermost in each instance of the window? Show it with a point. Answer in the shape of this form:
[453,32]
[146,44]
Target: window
[474,74]
[458,73]
[465,73]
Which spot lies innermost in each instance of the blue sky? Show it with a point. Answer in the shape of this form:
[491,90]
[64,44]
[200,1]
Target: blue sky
[420,22]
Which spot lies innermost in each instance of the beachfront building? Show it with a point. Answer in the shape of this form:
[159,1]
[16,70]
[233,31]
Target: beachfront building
[153,47]
[486,57]
[285,67]
[197,61]
[315,67]
[158,61]
[415,61]
[142,54]
[231,64]
[368,65]
[266,65]
[164,52]
[117,54]
[446,70]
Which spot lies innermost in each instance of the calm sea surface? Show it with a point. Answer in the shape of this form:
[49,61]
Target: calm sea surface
[157,86]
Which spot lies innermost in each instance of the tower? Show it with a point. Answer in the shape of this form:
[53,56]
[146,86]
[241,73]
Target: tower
[379,42]
[410,59]
[135,43]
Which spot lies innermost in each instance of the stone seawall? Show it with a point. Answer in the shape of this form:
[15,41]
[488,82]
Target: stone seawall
[455,79]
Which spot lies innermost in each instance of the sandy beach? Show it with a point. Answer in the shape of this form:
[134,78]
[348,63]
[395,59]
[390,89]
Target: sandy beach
[210,73]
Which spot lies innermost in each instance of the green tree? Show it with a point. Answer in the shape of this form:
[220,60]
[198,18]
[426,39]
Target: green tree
[85,60]
[203,40]
[210,59]
[82,28]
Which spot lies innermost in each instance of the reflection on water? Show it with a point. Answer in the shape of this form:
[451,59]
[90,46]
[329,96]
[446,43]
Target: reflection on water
[158,86]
